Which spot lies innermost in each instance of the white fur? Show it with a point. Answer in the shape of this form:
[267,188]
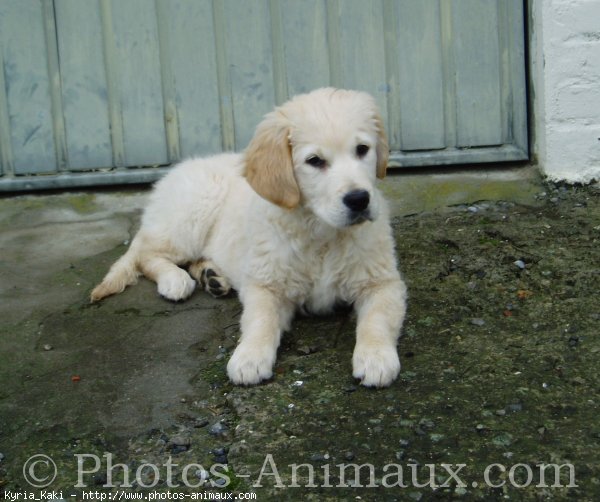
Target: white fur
[278,259]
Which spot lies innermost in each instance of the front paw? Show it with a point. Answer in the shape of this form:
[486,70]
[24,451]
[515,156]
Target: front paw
[176,285]
[375,366]
[250,365]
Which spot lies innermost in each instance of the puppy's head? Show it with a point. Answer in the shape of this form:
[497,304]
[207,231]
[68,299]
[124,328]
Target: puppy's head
[321,150]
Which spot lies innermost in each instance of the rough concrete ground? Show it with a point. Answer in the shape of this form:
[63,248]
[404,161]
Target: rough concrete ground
[499,357]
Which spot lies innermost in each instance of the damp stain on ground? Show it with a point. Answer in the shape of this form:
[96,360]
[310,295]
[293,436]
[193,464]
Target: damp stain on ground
[498,398]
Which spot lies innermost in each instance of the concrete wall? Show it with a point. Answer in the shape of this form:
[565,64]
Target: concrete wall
[565,58]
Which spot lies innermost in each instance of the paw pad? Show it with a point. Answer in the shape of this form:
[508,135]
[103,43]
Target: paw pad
[214,284]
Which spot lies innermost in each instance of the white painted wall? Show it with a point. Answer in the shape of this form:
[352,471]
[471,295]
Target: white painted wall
[565,50]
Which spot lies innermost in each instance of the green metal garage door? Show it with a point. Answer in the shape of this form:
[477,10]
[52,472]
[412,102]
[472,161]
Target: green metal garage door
[99,92]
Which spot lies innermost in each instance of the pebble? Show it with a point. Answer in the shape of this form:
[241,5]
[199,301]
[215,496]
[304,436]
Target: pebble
[220,455]
[202,474]
[220,481]
[1,457]
[48,347]
[200,422]
[319,457]
[436,438]
[500,413]
[477,321]
[176,449]
[349,456]
[221,459]
[427,423]
[405,443]
[513,408]
[520,264]
[472,209]
[180,441]
[217,429]
[400,455]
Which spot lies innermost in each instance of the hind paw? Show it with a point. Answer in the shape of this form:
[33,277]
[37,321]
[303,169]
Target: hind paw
[210,280]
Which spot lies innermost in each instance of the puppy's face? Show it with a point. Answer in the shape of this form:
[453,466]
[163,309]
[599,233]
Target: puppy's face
[323,151]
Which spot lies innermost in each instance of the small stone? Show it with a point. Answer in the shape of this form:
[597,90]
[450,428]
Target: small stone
[400,455]
[573,341]
[427,423]
[436,438]
[202,474]
[349,456]
[180,441]
[1,457]
[319,457]
[220,459]
[218,429]
[477,321]
[415,496]
[513,408]
[500,413]
[472,209]
[48,347]
[176,449]
[200,422]
[220,455]
[520,264]
[220,482]
[504,439]
[307,349]
[405,443]
[480,428]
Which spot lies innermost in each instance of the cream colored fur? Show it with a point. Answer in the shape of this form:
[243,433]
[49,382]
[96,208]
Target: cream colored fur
[278,230]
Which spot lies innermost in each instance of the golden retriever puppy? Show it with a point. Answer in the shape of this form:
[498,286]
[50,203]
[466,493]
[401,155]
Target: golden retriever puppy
[294,222]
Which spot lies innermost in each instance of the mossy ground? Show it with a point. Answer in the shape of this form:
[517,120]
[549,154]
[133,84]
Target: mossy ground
[500,366]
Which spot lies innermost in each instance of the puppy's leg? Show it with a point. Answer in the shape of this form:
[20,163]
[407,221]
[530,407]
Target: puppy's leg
[173,282]
[266,315]
[209,277]
[380,311]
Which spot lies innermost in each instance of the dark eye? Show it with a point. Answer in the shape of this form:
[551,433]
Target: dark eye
[362,150]
[316,161]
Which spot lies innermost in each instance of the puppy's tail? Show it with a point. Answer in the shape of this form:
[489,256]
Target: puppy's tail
[123,273]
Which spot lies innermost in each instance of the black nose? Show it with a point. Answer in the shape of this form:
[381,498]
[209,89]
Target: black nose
[357,200]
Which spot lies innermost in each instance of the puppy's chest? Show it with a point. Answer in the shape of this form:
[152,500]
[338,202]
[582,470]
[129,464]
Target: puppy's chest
[323,277]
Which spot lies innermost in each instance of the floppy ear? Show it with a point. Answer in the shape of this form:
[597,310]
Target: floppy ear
[382,148]
[269,168]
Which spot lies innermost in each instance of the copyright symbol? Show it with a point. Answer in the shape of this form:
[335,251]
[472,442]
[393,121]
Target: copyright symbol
[39,471]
